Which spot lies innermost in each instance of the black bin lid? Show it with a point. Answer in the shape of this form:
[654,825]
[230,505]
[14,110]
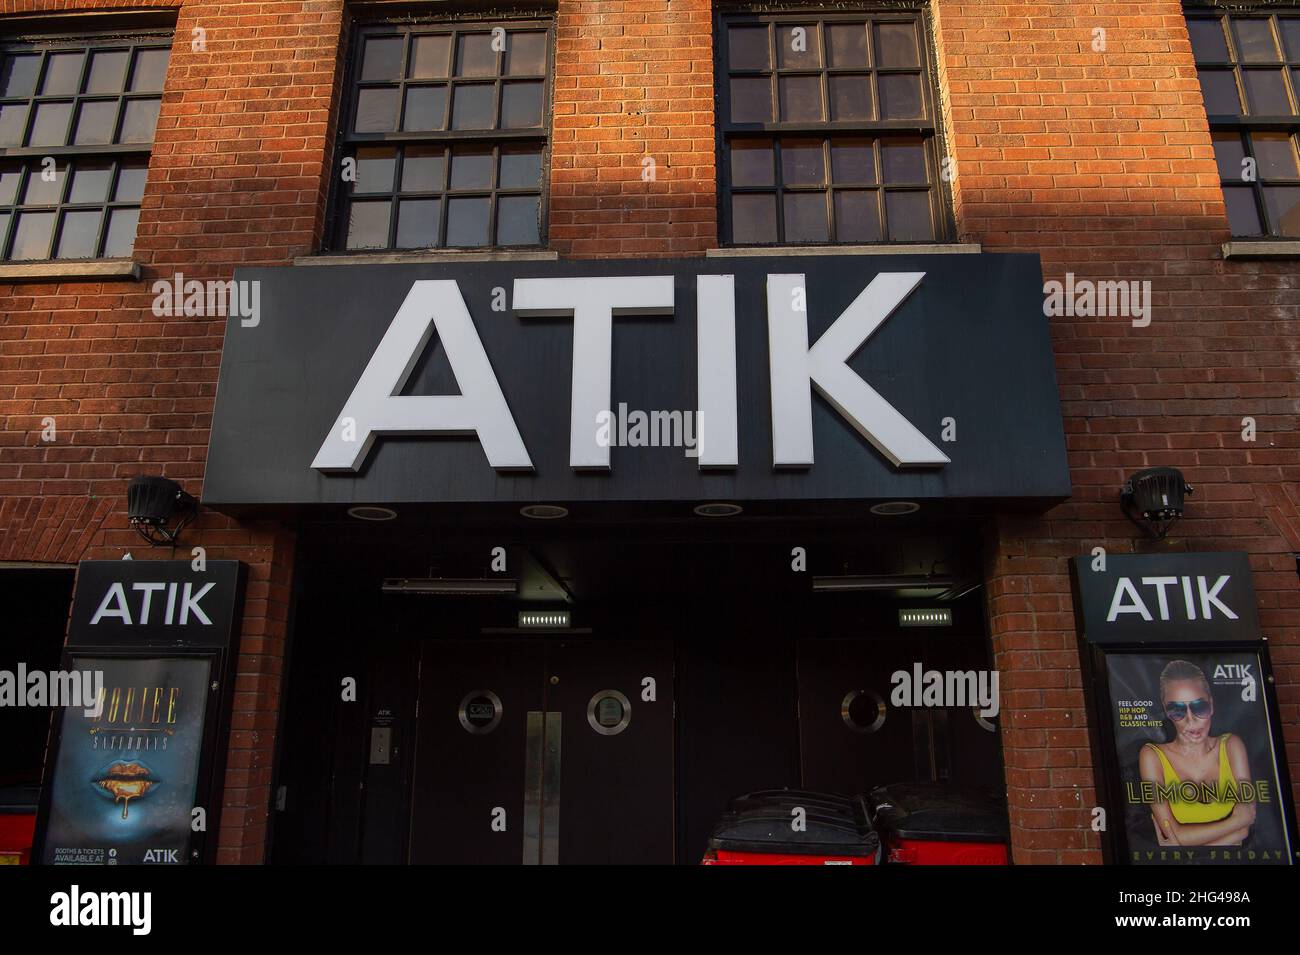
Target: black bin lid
[938,812]
[788,798]
[761,822]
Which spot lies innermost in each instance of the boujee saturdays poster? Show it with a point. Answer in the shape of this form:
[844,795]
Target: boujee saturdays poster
[1198,772]
[125,779]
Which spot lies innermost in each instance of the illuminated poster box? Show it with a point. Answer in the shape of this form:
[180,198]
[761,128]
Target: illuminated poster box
[132,780]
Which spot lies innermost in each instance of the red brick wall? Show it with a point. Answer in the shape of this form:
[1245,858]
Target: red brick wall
[633,82]
[236,177]
[1100,161]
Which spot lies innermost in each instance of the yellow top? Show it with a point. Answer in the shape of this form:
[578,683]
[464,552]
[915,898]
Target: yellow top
[1186,811]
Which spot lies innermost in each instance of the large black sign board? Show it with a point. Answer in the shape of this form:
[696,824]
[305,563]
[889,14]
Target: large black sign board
[1187,747]
[123,779]
[970,344]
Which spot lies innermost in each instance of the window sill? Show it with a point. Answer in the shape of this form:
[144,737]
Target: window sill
[1268,249]
[414,258]
[71,270]
[935,248]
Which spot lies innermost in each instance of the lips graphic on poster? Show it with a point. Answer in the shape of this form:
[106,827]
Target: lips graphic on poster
[1197,759]
[125,778]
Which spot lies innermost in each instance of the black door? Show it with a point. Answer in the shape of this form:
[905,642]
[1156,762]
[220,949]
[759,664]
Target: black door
[851,738]
[615,704]
[968,750]
[544,751]
[472,737]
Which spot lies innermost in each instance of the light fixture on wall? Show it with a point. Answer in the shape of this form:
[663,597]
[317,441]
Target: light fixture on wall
[152,501]
[925,617]
[543,619]
[858,582]
[1153,499]
[451,586]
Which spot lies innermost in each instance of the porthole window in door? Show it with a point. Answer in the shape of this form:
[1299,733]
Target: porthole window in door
[609,712]
[984,722]
[863,711]
[480,712]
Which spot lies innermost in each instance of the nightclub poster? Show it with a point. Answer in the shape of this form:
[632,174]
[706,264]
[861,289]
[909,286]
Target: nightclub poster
[124,783]
[1197,770]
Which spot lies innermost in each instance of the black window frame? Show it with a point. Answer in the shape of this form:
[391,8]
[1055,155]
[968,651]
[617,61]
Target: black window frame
[929,127]
[151,34]
[1245,125]
[347,142]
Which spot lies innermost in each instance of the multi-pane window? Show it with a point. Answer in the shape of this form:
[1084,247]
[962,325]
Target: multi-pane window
[826,130]
[1249,68]
[444,137]
[77,121]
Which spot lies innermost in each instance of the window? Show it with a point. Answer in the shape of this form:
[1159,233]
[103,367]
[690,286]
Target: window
[77,121]
[444,137]
[826,130]
[1249,68]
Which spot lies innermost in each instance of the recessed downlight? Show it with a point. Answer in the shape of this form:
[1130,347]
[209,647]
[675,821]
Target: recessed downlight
[718,509]
[369,512]
[895,508]
[544,512]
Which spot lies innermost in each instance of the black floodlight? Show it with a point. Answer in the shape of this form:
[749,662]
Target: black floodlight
[151,502]
[1157,495]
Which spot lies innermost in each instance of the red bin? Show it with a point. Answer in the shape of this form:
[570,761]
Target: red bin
[17,823]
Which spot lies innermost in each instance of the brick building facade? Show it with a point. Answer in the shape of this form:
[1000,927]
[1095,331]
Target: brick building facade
[1076,131]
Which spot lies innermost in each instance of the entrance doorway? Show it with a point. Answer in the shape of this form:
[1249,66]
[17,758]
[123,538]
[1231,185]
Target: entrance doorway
[695,670]
[544,751]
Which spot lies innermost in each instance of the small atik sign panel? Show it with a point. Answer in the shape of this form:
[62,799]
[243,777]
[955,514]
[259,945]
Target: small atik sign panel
[153,601]
[1166,598]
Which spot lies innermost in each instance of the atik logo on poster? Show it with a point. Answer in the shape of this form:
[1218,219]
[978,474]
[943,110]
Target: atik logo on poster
[1237,674]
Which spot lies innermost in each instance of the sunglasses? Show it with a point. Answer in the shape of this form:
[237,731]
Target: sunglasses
[1178,711]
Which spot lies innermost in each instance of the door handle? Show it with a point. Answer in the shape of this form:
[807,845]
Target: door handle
[551,788]
[542,788]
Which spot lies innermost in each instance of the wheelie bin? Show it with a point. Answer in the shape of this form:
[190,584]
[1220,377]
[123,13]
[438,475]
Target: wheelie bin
[937,824]
[793,827]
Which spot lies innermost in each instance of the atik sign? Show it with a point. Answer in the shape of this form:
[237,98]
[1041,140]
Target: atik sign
[1165,598]
[155,603]
[490,382]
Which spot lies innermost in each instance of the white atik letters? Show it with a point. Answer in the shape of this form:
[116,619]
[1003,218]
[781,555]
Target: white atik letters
[116,606]
[794,365]
[593,303]
[376,406]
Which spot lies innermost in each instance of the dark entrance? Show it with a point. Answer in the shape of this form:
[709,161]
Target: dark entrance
[544,750]
[472,740]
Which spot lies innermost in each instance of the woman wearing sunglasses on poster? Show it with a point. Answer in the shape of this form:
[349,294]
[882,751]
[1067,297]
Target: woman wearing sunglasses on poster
[1196,756]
